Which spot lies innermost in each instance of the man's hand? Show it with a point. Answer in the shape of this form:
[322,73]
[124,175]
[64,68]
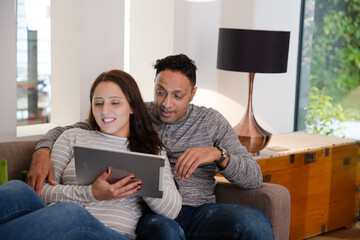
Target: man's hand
[193,157]
[103,190]
[40,168]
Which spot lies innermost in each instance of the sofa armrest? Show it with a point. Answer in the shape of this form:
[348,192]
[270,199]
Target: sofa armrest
[272,199]
[18,156]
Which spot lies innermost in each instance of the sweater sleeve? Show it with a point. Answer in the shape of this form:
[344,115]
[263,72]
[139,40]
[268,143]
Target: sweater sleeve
[171,202]
[48,140]
[242,170]
[61,156]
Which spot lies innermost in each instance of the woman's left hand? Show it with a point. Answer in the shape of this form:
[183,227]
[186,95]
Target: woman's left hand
[103,190]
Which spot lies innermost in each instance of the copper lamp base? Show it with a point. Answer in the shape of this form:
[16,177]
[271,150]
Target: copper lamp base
[250,134]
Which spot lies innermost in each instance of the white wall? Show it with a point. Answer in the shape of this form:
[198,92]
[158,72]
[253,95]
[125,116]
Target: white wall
[151,38]
[65,61]
[88,36]
[87,39]
[196,34]
[7,70]
[273,94]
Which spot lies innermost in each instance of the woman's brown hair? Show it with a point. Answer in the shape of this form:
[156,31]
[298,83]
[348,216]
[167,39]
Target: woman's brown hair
[143,137]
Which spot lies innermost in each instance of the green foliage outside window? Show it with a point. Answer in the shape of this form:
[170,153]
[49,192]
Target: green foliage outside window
[322,117]
[335,65]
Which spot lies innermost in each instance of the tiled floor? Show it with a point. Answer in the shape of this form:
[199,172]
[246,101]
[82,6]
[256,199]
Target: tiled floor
[352,233]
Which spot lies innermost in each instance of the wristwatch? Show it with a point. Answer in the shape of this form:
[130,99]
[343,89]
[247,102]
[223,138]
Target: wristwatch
[224,155]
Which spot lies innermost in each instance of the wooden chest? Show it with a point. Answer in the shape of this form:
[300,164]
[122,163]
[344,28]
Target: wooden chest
[322,175]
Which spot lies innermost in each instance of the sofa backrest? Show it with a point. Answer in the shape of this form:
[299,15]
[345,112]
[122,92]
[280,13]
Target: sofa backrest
[18,156]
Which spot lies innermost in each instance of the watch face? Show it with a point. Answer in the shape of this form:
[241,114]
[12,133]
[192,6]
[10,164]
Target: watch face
[224,154]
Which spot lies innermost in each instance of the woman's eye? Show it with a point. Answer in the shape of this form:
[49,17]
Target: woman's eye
[98,103]
[115,103]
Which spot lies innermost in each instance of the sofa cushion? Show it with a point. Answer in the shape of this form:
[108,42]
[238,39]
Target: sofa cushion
[18,157]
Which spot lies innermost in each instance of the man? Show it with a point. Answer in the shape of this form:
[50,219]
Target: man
[200,143]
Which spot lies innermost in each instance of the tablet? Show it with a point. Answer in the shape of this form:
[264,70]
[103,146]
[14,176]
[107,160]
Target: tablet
[90,162]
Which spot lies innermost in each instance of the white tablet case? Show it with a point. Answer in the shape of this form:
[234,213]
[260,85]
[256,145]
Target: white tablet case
[90,162]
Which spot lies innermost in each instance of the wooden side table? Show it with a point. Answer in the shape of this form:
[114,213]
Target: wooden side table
[322,175]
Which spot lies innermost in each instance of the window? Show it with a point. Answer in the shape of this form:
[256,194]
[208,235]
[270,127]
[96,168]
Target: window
[329,72]
[33,62]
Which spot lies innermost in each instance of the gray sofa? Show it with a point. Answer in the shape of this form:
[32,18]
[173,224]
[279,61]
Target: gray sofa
[272,199]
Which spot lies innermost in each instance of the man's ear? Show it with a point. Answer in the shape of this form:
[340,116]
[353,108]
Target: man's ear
[193,93]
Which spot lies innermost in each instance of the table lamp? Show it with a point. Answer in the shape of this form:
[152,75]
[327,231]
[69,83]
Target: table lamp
[252,51]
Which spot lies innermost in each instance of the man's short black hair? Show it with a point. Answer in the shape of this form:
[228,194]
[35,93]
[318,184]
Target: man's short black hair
[180,63]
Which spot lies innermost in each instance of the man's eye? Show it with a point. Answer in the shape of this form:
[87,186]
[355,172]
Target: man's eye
[178,96]
[160,93]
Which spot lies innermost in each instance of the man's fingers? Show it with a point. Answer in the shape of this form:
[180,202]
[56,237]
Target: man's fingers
[51,177]
[35,182]
[192,158]
[180,162]
[184,167]
[40,168]
[191,169]
[30,181]
[38,185]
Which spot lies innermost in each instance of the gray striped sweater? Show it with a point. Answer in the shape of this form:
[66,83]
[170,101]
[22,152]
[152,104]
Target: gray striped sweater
[120,215]
[201,127]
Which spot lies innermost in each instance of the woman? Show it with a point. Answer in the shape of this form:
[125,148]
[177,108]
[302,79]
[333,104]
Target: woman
[119,120]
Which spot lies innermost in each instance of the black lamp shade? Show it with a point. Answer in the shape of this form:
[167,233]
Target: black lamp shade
[254,51]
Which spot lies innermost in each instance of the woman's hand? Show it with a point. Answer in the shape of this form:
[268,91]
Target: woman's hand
[102,190]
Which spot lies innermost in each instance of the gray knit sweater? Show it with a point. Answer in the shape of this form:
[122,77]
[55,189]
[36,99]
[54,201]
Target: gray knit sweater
[120,215]
[201,127]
